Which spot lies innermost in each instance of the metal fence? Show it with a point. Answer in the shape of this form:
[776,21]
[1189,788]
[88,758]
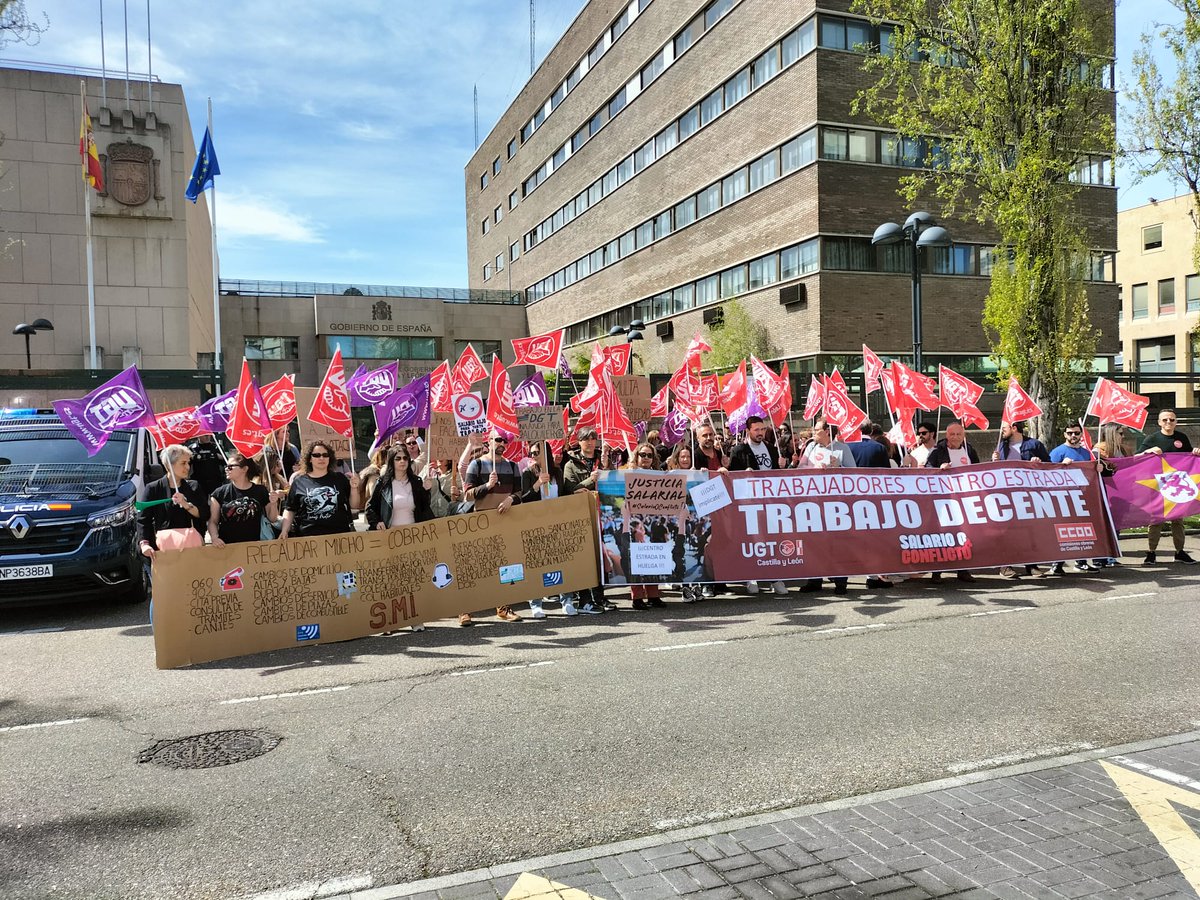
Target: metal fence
[254,288]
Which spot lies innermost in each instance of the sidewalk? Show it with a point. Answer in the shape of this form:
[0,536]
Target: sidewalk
[1113,824]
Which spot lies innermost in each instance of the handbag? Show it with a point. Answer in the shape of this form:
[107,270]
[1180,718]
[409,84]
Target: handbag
[178,538]
[266,530]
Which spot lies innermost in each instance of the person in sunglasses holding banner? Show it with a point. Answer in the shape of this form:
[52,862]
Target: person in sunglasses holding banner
[237,507]
[580,473]
[493,482]
[318,501]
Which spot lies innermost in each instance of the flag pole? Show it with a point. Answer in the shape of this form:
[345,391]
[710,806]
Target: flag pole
[218,362]
[103,64]
[87,218]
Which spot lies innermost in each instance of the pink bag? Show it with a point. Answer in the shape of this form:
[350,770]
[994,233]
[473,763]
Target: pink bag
[178,539]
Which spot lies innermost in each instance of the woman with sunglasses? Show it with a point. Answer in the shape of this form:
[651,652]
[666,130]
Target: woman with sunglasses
[237,507]
[318,501]
[644,456]
[399,497]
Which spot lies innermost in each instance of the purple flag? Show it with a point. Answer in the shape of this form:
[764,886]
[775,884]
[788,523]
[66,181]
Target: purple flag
[674,427]
[737,419]
[1149,490]
[368,388]
[531,392]
[563,369]
[639,429]
[405,408]
[216,413]
[119,403]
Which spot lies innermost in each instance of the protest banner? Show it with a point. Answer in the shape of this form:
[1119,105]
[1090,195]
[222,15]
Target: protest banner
[315,431]
[655,494]
[1152,489]
[795,524]
[540,423]
[220,602]
[634,394]
[442,440]
[470,415]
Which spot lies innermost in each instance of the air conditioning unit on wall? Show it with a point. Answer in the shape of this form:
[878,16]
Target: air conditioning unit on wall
[714,316]
[665,330]
[793,295]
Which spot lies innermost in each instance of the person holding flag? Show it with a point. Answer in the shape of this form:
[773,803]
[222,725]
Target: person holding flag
[1015,445]
[174,501]
[318,501]
[1167,440]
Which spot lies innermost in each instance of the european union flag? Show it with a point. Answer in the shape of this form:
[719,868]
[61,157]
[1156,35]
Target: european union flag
[203,171]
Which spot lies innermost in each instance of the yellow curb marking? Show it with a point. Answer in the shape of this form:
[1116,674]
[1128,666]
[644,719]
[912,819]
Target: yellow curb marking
[533,887]
[1151,799]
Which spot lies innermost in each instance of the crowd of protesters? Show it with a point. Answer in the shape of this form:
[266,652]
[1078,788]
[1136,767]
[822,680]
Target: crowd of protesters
[284,492]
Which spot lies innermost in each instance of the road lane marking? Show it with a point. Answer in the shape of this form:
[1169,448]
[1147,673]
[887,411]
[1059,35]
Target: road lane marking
[1152,800]
[684,646]
[313,890]
[547,662]
[44,724]
[1007,759]
[534,887]
[328,690]
[996,612]
[851,628]
[1156,772]
[46,630]
[1135,596]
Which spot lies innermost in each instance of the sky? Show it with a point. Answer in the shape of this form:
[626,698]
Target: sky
[342,129]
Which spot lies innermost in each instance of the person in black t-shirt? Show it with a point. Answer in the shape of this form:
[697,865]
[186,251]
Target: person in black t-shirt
[238,506]
[318,501]
[1167,440]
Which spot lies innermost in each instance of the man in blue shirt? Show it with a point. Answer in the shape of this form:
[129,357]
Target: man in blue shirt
[1072,450]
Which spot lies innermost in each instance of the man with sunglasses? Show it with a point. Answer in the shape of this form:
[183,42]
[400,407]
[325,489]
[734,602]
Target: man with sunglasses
[1167,440]
[1069,451]
[926,439]
[493,482]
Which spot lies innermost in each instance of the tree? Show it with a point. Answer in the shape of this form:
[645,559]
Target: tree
[17,26]
[1005,98]
[736,337]
[1163,120]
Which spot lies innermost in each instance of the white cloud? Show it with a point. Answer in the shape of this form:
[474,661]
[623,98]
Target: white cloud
[241,215]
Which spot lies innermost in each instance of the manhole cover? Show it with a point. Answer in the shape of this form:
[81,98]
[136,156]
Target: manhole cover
[205,751]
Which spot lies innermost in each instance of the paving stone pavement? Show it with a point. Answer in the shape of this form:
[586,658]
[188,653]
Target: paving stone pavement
[1048,829]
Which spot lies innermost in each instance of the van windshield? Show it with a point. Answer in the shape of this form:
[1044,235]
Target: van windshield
[41,460]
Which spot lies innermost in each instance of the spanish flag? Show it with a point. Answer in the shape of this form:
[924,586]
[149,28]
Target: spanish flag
[92,173]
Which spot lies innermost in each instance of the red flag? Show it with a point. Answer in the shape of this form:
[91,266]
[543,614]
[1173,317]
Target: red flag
[331,406]
[1087,438]
[913,390]
[468,370]
[890,394]
[781,412]
[250,423]
[618,357]
[599,379]
[695,396]
[500,411]
[733,389]
[515,450]
[767,385]
[815,401]
[903,434]
[440,395]
[614,421]
[961,396]
[840,410]
[1113,403]
[1018,405]
[660,402]
[178,427]
[280,397]
[540,350]
[872,366]
[696,346]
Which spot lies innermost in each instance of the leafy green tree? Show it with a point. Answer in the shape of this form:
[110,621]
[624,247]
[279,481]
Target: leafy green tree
[1162,114]
[1005,97]
[736,337]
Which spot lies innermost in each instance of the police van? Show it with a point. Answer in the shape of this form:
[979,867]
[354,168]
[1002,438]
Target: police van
[68,527]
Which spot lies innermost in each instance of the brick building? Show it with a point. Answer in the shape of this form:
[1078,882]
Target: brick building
[669,155]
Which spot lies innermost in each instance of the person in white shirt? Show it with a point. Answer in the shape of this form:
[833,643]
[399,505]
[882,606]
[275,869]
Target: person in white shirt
[826,452]
[919,455]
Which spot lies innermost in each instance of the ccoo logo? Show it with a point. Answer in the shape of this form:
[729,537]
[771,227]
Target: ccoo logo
[114,407]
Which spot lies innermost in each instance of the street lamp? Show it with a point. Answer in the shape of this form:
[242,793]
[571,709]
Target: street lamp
[632,332]
[27,330]
[920,230]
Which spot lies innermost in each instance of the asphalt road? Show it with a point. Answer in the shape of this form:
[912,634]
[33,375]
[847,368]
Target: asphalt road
[418,754]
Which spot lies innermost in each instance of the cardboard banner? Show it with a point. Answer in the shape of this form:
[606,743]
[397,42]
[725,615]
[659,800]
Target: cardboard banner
[442,440]
[635,396]
[540,423]
[1152,489]
[314,431]
[216,603]
[799,523]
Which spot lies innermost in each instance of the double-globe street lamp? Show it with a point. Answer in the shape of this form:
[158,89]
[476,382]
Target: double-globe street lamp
[632,332]
[920,230]
[31,329]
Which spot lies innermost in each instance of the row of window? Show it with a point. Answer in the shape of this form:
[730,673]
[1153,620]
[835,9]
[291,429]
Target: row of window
[1166,297]
[361,347]
[1159,354]
[706,19]
[585,65]
[831,253]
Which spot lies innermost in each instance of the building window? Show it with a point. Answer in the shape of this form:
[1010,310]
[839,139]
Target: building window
[708,201]
[712,106]
[496,166]
[764,271]
[500,263]
[497,214]
[733,282]
[1166,297]
[360,347]
[485,349]
[706,290]
[512,148]
[1192,289]
[735,186]
[483,181]
[1141,301]
[848,253]
[766,67]
[737,87]
[514,251]
[689,122]
[1156,355]
[764,170]
[799,43]
[662,224]
[272,348]
[800,152]
[512,200]
[835,143]
[645,234]
[1152,237]
[487,271]
[685,212]
[486,225]
[715,11]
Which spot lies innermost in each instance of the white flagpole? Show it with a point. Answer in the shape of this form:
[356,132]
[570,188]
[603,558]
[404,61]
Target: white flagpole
[103,64]
[149,63]
[217,361]
[87,219]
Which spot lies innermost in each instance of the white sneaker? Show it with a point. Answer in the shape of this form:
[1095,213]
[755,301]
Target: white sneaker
[535,609]
[708,592]
[569,607]
[418,628]
[780,589]
[751,587]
